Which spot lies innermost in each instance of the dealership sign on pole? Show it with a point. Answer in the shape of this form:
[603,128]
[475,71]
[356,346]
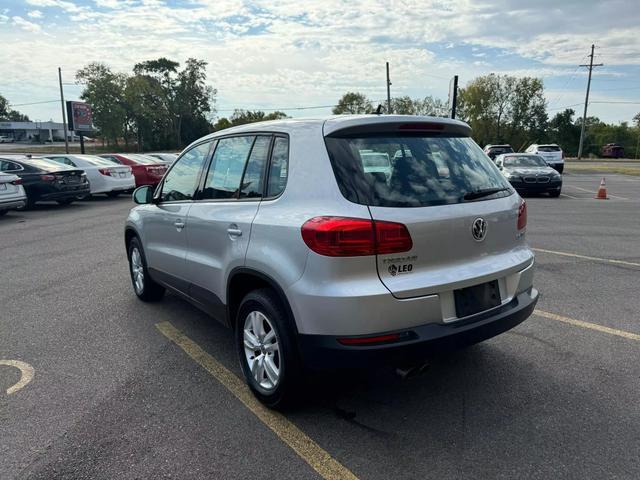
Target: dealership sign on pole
[79,117]
[80,120]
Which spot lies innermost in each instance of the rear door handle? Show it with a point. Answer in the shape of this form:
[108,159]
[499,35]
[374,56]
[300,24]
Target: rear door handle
[234,231]
[179,224]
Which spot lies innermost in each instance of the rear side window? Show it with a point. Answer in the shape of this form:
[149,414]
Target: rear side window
[254,171]
[423,170]
[6,166]
[279,166]
[227,167]
[548,148]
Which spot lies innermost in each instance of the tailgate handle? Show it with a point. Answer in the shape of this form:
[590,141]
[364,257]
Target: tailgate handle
[234,231]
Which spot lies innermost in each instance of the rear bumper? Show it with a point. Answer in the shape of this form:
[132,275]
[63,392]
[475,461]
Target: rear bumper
[536,187]
[11,204]
[323,351]
[68,192]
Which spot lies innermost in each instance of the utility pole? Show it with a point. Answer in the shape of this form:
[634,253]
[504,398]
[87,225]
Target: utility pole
[586,99]
[388,91]
[453,95]
[64,116]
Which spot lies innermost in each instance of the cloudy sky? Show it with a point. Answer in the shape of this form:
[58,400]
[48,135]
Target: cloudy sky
[283,54]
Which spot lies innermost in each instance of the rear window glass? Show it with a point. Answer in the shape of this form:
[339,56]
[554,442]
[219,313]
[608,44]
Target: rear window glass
[45,164]
[96,160]
[499,150]
[423,170]
[548,148]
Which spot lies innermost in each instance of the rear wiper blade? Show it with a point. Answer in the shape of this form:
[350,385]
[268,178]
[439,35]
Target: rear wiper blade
[482,192]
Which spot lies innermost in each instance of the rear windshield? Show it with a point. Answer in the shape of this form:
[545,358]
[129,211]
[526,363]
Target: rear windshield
[524,161]
[142,159]
[548,148]
[499,150]
[46,164]
[94,160]
[423,170]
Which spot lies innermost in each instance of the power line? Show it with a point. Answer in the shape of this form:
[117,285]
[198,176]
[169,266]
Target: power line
[629,103]
[32,103]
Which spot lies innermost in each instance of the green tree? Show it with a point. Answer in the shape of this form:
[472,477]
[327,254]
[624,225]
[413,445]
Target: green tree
[241,117]
[565,132]
[7,114]
[416,106]
[104,91]
[193,101]
[353,103]
[504,109]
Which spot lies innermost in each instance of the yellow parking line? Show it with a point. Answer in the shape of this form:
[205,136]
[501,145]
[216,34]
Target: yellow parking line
[318,458]
[586,257]
[589,325]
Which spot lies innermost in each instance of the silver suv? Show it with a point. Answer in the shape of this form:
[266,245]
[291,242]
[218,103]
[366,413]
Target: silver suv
[280,231]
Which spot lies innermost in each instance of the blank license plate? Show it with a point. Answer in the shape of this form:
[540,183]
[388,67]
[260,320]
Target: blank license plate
[476,299]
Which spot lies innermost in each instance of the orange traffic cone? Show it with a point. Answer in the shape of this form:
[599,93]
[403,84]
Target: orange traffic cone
[602,191]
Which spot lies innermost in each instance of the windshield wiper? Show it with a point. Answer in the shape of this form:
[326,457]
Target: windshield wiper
[482,192]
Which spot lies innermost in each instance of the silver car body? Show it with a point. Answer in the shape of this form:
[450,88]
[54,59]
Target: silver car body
[12,194]
[104,176]
[201,244]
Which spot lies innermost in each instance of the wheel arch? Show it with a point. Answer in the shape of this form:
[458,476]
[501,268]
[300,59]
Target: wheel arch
[243,280]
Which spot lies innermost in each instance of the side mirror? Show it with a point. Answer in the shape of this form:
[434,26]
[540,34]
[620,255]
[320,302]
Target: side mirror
[143,195]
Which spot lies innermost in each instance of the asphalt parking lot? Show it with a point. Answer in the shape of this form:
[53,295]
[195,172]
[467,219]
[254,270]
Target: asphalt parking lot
[115,395]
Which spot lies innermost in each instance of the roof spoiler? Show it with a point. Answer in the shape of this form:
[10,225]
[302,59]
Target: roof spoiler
[430,126]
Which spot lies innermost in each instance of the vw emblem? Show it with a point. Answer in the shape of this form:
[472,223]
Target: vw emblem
[479,229]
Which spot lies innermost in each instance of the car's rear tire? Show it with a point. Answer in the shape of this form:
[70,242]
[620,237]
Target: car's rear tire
[267,350]
[66,201]
[143,285]
[3,212]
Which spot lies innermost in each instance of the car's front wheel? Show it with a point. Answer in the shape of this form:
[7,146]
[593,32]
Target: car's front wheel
[555,193]
[267,350]
[144,286]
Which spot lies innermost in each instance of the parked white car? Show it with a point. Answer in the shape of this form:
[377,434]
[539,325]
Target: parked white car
[6,139]
[12,194]
[104,175]
[551,153]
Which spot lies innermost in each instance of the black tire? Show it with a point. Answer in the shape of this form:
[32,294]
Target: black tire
[150,290]
[113,194]
[3,212]
[285,392]
[555,193]
[66,201]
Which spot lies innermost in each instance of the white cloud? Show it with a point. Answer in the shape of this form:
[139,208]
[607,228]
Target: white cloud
[26,25]
[288,52]
[35,14]
[66,6]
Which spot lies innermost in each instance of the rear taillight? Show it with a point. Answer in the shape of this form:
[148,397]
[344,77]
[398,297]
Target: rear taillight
[17,181]
[105,171]
[352,237]
[522,215]
[47,178]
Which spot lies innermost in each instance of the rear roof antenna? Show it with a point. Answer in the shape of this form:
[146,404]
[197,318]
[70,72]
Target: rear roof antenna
[379,109]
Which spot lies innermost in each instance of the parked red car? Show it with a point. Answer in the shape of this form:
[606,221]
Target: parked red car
[612,150]
[146,172]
